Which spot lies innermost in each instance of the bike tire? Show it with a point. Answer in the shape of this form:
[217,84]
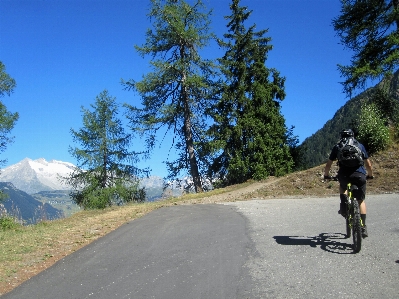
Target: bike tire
[348,228]
[356,227]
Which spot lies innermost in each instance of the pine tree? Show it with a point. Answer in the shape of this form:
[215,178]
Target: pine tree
[369,28]
[249,134]
[175,94]
[105,172]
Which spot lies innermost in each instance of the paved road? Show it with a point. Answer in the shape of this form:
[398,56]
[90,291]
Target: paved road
[301,252]
[283,248]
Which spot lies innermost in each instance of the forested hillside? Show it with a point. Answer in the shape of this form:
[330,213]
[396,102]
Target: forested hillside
[316,148]
[25,207]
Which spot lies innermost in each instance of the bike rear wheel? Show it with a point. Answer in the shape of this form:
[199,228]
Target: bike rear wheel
[356,227]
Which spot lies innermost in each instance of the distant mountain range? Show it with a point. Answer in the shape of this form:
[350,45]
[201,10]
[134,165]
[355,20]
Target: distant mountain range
[34,184]
[33,176]
[36,176]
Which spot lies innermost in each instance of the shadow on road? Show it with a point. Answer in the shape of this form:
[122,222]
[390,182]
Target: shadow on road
[327,241]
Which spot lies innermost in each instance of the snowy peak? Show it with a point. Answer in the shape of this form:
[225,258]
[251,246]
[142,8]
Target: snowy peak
[41,166]
[33,176]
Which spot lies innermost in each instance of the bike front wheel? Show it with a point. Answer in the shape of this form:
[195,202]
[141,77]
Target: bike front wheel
[348,228]
[356,227]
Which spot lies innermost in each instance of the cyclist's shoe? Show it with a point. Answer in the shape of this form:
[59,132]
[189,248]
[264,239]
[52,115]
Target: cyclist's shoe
[342,210]
[364,231]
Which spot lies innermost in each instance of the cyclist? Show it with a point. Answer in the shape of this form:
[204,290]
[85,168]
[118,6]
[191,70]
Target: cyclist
[356,176]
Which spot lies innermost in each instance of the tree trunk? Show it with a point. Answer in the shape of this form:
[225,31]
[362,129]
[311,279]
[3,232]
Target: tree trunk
[190,143]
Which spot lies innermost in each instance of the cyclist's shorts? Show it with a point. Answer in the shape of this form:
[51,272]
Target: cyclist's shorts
[355,178]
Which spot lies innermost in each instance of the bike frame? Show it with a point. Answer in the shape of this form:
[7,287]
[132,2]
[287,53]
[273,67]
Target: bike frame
[349,202]
[353,219]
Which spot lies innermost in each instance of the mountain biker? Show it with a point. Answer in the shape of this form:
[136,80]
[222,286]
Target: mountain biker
[356,176]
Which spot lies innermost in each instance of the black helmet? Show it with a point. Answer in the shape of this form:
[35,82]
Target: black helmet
[347,133]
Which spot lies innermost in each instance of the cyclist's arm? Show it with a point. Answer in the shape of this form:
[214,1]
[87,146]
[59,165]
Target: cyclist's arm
[328,167]
[367,163]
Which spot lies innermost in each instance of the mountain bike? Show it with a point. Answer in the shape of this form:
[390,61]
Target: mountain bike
[353,220]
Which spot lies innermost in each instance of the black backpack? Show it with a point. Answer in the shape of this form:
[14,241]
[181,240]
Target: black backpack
[349,153]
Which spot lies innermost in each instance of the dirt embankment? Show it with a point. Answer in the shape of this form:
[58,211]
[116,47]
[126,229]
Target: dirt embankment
[311,183]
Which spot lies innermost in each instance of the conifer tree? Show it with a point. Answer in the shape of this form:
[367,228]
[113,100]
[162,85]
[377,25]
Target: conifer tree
[105,172]
[7,118]
[249,134]
[370,29]
[175,94]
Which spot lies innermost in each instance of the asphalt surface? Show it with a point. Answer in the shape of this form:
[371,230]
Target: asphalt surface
[281,248]
[301,250]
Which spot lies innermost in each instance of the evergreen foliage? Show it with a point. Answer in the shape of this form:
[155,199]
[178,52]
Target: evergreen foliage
[105,172]
[7,118]
[317,147]
[369,28]
[249,133]
[176,93]
[386,99]
[7,84]
[297,153]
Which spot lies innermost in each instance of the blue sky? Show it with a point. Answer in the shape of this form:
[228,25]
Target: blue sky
[63,53]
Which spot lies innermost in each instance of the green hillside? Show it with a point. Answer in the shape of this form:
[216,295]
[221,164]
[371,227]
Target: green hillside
[317,147]
[25,207]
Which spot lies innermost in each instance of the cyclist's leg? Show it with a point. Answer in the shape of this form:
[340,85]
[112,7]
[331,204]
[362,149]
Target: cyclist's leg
[359,179]
[343,181]
[362,207]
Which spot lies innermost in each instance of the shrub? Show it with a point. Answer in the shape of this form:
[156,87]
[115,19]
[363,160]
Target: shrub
[372,129]
[100,198]
[7,222]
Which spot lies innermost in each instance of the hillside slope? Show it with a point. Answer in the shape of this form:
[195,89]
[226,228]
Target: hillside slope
[317,147]
[310,182]
[25,207]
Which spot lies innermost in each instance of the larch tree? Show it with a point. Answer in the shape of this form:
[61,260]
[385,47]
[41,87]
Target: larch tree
[249,133]
[176,93]
[106,173]
[370,29]
[7,118]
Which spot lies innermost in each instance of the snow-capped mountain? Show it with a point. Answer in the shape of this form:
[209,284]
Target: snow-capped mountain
[32,176]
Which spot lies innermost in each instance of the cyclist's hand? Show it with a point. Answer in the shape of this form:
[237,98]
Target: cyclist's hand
[328,177]
[369,177]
